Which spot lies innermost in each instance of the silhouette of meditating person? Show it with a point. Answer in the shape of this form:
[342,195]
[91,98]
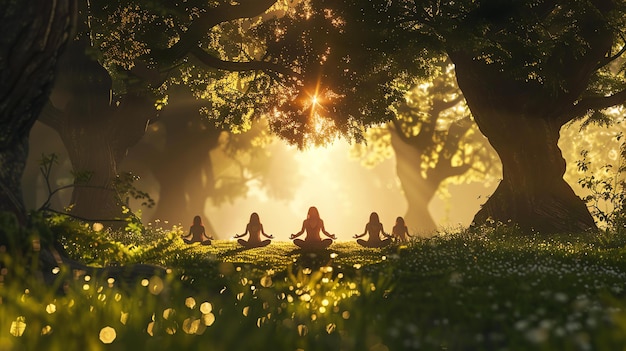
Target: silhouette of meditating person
[313,224]
[374,228]
[400,232]
[197,233]
[255,229]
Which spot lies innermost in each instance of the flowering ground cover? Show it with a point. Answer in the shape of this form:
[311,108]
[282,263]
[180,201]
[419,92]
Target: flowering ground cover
[492,289]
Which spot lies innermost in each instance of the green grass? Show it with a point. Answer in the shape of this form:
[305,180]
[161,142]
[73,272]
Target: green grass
[492,290]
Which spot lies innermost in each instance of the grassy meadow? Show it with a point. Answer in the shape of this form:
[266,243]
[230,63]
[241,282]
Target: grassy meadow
[489,289]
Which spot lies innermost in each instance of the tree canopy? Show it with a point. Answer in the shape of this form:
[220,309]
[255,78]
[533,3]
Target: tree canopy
[352,65]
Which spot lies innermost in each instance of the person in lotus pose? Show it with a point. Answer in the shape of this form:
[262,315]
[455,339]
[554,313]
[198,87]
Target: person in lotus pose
[255,229]
[375,229]
[197,233]
[400,232]
[313,225]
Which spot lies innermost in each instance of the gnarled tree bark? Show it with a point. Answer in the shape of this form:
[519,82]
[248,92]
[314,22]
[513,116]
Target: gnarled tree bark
[33,36]
[522,122]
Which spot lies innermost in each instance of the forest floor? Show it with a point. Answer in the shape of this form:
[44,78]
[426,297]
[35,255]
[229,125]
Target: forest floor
[493,290]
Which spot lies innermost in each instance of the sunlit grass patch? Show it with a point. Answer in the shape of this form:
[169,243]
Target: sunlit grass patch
[484,290]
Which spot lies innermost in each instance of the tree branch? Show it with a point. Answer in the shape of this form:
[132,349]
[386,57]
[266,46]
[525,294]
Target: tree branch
[597,103]
[215,62]
[83,218]
[189,40]
[456,131]
[444,168]
[444,105]
[610,59]
[212,17]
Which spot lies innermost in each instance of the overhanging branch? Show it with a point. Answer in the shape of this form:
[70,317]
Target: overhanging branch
[211,18]
[217,63]
[597,103]
[612,58]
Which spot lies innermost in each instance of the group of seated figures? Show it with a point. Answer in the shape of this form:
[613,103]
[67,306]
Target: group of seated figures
[313,225]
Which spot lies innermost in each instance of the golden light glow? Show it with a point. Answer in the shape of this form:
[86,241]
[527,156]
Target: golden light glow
[328,179]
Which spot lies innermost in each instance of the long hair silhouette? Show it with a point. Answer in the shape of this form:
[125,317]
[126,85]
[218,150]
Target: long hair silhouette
[254,218]
[374,218]
[313,213]
[197,220]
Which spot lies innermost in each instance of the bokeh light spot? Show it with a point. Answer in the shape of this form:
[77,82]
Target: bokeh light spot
[206,307]
[168,313]
[190,302]
[156,285]
[107,335]
[18,326]
[266,281]
[208,319]
[46,330]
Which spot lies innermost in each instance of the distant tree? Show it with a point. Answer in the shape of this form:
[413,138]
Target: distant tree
[435,142]
[182,155]
[177,152]
[43,143]
[34,34]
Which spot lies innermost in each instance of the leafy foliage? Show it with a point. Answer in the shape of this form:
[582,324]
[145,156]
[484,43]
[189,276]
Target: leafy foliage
[607,198]
[126,190]
[183,42]
[124,187]
[339,91]
[95,245]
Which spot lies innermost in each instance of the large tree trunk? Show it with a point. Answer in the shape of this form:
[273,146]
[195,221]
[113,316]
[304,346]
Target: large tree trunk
[95,131]
[520,120]
[33,34]
[532,192]
[93,199]
[12,163]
